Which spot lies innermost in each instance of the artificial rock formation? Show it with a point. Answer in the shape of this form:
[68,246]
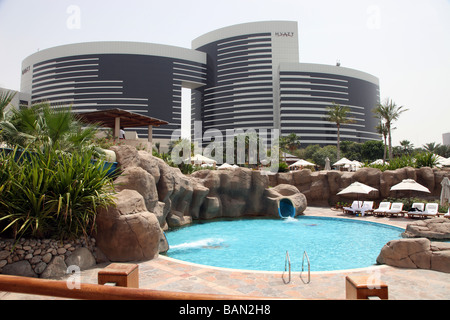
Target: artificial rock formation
[153,197]
[175,199]
[416,253]
[434,229]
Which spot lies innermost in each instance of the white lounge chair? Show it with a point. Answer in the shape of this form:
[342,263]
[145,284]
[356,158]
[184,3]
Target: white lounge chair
[382,208]
[396,209]
[447,215]
[416,210]
[419,207]
[365,208]
[431,210]
[355,206]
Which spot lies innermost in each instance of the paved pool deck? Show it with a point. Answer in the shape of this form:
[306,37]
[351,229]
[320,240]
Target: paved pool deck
[164,273]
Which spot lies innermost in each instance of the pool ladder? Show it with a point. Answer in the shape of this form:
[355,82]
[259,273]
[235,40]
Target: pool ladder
[287,267]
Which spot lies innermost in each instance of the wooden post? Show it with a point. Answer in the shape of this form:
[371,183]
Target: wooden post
[117,128]
[363,287]
[122,274]
[150,133]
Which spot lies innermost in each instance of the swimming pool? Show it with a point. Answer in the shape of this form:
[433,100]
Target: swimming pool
[261,244]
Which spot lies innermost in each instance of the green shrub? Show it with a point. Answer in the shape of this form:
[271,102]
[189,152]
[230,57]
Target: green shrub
[51,194]
[426,159]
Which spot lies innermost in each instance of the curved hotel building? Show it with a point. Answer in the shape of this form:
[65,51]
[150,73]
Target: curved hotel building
[143,78]
[241,77]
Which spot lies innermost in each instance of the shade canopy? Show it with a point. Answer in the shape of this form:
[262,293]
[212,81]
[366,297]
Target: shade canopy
[409,185]
[107,118]
[302,163]
[342,162]
[357,187]
[227,166]
[198,158]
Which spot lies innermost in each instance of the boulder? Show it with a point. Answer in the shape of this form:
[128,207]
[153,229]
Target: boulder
[20,268]
[434,229]
[136,178]
[416,253]
[406,253]
[81,257]
[127,231]
[57,268]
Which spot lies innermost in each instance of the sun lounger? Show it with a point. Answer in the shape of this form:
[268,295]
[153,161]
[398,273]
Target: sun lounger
[366,208]
[355,205]
[416,210]
[383,207]
[447,215]
[396,209]
[431,210]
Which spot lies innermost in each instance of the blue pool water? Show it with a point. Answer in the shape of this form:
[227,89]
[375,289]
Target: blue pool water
[261,244]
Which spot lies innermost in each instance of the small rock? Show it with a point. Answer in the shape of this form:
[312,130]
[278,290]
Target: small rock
[61,251]
[4,254]
[47,257]
[3,263]
[40,267]
[35,259]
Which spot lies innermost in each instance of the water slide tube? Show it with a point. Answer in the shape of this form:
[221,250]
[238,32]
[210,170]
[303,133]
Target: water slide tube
[286,208]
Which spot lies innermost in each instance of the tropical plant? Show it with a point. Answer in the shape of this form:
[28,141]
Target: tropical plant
[50,194]
[290,142]
[48,128]
[426,159]
[339,115]
[406,146]
[389,112]
[5,99]
[431,147]
[382,129]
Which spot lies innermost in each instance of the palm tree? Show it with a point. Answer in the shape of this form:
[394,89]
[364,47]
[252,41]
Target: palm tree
[381,129]
[389,112]
[290,142]
[339,115]
[431,146]
[407,146]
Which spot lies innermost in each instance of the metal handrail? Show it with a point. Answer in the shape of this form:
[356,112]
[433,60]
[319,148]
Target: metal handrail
[303,266]
[287,261]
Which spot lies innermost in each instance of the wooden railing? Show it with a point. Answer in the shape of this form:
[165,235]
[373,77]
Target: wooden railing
[59,288]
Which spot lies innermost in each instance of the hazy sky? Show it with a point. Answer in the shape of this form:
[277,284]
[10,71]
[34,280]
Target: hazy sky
[405,43]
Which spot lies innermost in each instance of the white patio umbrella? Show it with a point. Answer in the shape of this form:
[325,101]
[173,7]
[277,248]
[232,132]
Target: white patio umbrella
[445,191]
[409,185]
[302,163]
[379,161]
[342,162]
[327,164]
[445,162]
[225,166]
[357,188]
[199,159]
